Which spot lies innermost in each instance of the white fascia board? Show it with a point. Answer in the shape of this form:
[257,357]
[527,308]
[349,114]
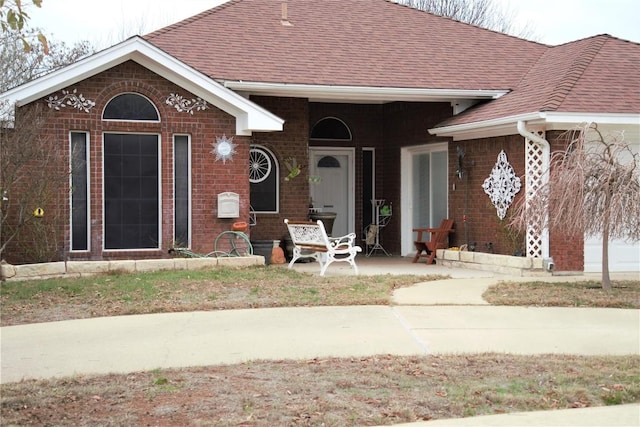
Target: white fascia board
[542,120]
[601,118]
[249,116]
[487,128]
[359,93]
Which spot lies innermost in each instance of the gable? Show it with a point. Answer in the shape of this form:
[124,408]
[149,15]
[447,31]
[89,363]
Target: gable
[249,116]
[591,80]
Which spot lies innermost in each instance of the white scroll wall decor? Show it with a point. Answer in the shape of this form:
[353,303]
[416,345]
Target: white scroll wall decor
[184,105]
[502,185]
[72,99]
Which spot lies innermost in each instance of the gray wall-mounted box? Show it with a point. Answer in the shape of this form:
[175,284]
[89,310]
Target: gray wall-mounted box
[228,205]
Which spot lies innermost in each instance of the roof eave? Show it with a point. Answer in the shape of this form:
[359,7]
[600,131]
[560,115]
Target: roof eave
[487,128]
[358,94]
[542,120]
[249,116]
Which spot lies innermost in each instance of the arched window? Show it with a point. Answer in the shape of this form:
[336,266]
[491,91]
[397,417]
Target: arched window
[331,128]
[264,178]
[328,162]
[131,177]
[130,106]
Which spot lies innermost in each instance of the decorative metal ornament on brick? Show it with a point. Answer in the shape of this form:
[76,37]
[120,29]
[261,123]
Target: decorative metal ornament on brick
[184,105]
[71,99]
[224,148]
[502,185]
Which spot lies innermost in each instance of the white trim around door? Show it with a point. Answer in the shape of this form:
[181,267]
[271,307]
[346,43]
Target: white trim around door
[411,206]
[349,152]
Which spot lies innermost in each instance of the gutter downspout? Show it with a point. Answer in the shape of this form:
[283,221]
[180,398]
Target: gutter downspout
[546,154]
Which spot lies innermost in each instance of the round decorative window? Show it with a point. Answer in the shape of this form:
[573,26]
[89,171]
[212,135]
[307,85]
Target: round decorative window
[259,165]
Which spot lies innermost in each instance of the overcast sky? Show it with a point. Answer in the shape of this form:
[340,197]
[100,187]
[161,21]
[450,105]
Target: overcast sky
[105,22]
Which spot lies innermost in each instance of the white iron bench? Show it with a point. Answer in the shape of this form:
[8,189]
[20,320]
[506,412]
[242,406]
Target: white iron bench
[310,240]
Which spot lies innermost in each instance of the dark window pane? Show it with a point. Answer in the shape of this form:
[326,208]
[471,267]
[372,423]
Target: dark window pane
[113,209]
[130,188]
[367,187]
[148,188]
[330,128]
[264,194]
[130,165]
[130,106]
[181,191]
[131,191]
[148,212]
[328,162]
[79,192]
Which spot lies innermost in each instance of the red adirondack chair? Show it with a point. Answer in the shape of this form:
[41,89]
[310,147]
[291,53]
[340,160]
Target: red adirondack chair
[430,239]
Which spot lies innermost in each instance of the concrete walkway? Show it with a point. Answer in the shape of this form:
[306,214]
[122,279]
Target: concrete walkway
[438,317]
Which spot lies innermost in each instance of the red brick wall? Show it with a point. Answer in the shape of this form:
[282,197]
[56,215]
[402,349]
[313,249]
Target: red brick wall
[405,124]
[567,250]
[209,178]
[366,125]
[387,128]
[483,225]
[36,177]
[466,195]
[291,142]
[384,127]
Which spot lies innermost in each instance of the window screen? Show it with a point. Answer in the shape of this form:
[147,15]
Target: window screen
[79,192]
[131,191]
[182,191]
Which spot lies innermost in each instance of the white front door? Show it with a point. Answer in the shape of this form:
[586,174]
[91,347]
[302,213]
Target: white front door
[331,186]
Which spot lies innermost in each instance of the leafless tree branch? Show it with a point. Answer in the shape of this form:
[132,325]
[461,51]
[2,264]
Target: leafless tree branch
[593,190]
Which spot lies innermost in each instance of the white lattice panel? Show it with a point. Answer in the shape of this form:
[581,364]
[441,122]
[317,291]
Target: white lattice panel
[536,166]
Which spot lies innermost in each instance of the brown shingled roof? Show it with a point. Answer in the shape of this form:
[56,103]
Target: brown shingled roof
[378,43]
[600,74]
[374,43]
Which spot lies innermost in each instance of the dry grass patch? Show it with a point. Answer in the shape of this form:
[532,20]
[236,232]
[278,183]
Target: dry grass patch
[330,392]
[176,291]
[625,294]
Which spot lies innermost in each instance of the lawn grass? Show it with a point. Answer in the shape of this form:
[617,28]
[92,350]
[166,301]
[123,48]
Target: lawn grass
[117,294]
[174,291]
[378,390]
[625,294]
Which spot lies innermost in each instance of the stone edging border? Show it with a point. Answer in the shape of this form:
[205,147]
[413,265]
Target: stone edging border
[47,270]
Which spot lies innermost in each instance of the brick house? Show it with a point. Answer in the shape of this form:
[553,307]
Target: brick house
[375,100]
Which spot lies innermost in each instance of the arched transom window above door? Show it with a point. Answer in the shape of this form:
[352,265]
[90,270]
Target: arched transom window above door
[331,128]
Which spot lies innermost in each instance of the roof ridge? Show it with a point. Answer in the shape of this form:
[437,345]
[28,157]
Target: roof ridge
[575,71]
